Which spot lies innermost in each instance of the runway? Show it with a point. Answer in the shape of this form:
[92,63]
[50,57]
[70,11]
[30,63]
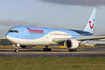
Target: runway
[94,52]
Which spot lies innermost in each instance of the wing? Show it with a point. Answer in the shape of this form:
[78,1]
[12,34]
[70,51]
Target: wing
[96,37]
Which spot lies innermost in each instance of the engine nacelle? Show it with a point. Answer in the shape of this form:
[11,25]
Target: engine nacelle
[26,47]
[71,44]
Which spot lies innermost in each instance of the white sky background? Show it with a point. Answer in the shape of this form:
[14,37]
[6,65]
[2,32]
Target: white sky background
[69,14]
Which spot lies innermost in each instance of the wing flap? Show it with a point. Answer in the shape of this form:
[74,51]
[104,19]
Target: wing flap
[90,38]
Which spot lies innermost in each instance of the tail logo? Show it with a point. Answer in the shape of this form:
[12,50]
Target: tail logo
[92,24]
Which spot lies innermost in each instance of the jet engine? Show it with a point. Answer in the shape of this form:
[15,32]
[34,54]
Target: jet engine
[71,44]
[26,47]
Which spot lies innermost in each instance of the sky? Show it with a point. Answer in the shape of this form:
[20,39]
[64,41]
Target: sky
[67,14]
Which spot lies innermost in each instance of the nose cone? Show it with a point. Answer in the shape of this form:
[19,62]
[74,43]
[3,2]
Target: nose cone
[7,36]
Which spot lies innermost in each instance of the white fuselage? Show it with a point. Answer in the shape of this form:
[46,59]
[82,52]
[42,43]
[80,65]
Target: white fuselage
[47,39]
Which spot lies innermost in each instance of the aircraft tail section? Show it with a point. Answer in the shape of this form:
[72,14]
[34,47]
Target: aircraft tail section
[90,24]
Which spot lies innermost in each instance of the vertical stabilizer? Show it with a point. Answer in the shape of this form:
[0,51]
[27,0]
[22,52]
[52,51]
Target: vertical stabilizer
[90,24]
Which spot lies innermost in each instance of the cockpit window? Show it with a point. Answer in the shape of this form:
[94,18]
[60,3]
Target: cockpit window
[16,31]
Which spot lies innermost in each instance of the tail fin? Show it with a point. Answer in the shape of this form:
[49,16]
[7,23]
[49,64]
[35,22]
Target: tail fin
[90,23]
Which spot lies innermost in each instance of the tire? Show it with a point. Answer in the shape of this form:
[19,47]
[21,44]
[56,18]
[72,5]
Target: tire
[44,49]
[16,51]
[49,49]
[72,50]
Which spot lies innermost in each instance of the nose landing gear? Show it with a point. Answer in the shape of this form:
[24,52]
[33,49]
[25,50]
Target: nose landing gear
[16,48]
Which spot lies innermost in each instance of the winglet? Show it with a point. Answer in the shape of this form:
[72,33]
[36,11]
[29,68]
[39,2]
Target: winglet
[90,24]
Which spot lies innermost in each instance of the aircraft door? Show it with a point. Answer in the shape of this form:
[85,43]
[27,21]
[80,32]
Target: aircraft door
[26,33]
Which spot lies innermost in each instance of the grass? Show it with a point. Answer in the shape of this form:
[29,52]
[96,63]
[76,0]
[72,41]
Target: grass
[52,63]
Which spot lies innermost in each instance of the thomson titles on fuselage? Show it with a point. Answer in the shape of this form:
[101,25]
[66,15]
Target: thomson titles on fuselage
[35,30]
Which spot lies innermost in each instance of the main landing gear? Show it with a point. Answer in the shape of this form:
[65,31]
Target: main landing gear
[72,50]
[46,49]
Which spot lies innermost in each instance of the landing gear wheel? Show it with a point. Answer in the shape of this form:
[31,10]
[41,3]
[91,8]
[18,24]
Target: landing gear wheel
[46,49]
[72,50]
[49,49]
[16,50]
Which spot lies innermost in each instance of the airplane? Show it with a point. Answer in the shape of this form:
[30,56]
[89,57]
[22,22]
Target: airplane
[29,36]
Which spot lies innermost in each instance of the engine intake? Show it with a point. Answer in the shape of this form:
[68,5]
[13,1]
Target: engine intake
[71,44]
